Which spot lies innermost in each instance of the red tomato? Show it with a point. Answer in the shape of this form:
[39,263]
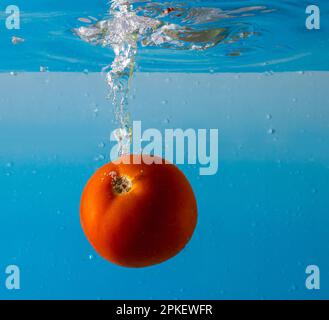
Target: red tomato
[137,215]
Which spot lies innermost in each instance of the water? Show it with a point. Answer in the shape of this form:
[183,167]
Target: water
[50,41]
[262,218]
[158,25]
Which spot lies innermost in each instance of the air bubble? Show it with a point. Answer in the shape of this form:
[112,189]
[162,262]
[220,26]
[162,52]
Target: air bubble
[100,157]
[269,73]
[113,174]
[16,40]
[9,164]
[85,20]
[96,111]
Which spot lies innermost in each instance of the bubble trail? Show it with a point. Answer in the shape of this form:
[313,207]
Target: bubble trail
[154,24]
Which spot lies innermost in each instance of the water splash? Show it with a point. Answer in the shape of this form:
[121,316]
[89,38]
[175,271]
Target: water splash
[154,24]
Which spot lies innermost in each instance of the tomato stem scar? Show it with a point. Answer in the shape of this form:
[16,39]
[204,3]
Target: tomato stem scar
[121,185]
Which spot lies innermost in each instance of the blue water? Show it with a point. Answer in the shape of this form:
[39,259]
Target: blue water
[282,42]
[263,218]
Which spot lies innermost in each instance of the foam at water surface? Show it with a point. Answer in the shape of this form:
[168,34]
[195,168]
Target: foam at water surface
[279,41]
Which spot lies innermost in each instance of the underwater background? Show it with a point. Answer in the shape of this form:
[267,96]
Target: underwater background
[263,218]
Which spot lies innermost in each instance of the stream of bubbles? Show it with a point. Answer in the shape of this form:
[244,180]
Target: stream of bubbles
[157,24]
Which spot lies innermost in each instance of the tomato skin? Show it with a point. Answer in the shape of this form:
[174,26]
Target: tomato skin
[145,226]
